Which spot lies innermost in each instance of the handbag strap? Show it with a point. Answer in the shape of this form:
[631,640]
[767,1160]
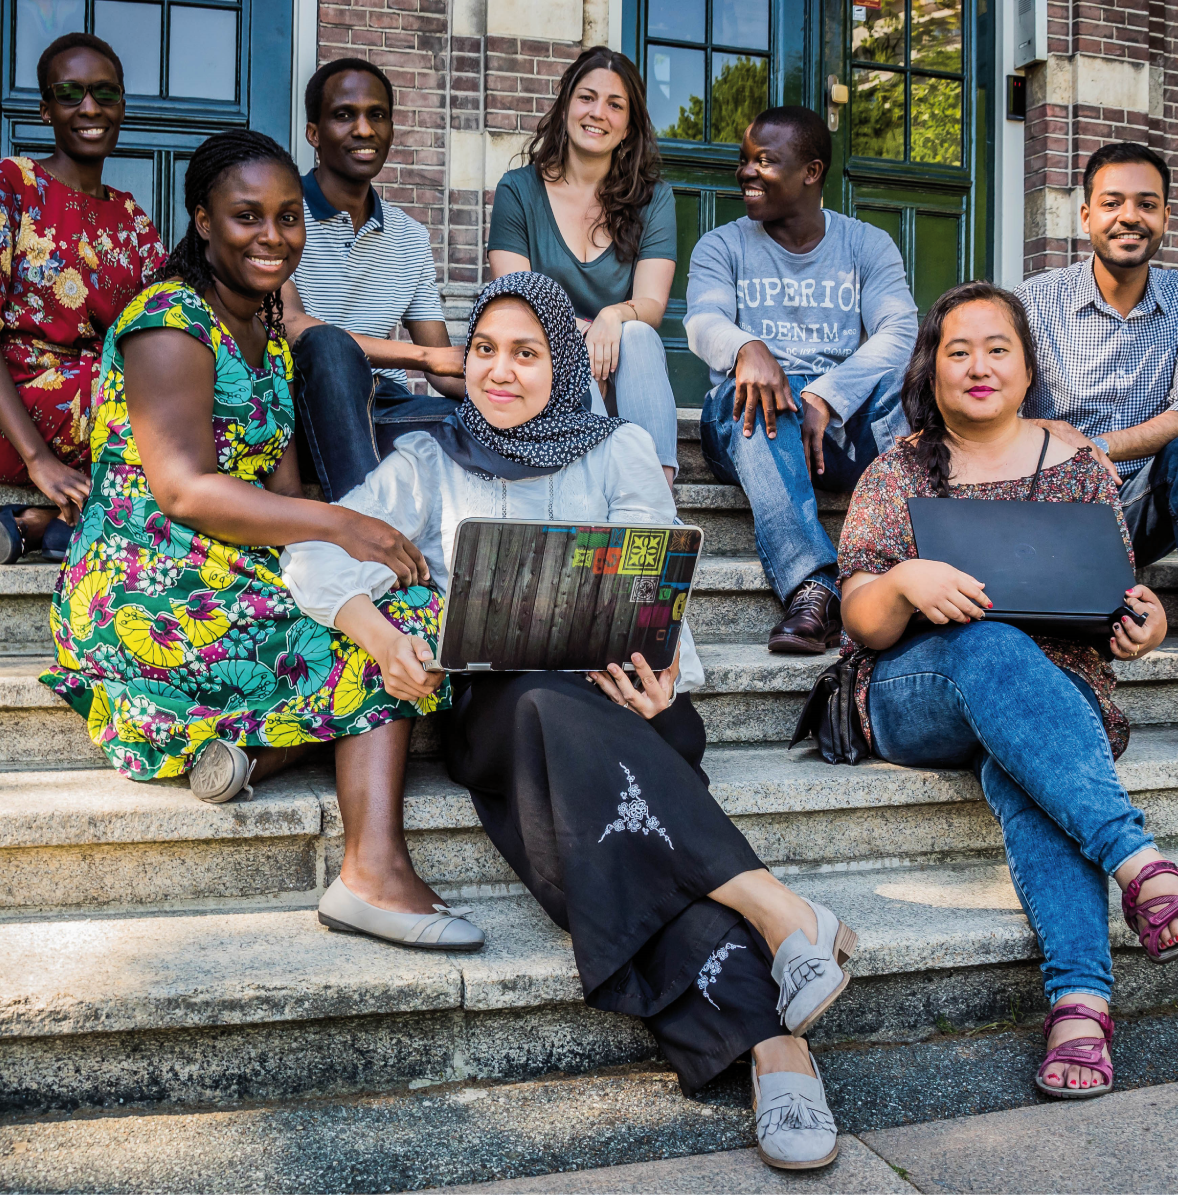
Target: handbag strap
[1039,467]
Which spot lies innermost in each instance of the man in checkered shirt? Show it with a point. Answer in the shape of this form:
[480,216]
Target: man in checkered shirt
[1106,334]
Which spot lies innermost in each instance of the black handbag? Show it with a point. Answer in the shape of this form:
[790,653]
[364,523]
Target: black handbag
[831,715]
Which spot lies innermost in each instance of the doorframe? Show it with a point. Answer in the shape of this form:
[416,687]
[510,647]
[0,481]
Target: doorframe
[304,59]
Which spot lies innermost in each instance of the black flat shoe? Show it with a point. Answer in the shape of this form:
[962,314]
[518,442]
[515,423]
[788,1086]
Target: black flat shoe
[12,541]
[55,543]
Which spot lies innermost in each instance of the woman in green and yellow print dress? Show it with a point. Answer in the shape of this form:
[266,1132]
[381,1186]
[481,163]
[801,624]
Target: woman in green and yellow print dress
[176,637]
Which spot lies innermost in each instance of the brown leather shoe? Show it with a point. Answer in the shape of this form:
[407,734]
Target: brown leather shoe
[811,624]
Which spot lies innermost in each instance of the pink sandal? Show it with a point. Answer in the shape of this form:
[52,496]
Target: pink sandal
[1158,912]
[1080,1051]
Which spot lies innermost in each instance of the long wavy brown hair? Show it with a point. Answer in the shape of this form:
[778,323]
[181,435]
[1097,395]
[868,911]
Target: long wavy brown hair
[919,392]
[635,169]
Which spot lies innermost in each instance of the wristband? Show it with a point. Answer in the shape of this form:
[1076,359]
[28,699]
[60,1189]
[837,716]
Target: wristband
[1100,443]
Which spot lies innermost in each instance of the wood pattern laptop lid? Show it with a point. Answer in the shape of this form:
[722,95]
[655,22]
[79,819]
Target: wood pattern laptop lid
[527,596]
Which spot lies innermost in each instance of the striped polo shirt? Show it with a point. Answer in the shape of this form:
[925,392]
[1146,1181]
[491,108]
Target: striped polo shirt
[369,281]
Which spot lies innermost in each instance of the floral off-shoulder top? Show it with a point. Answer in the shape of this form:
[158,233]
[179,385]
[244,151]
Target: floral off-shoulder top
[878,535]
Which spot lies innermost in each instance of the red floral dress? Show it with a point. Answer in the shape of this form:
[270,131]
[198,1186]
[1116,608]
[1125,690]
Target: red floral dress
[877,536]
[69,263]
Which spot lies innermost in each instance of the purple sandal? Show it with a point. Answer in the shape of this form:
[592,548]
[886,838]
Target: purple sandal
[1158,912]
[1080,1051]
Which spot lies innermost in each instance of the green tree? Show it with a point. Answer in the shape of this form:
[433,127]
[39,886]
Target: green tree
[741,91]
[690,125]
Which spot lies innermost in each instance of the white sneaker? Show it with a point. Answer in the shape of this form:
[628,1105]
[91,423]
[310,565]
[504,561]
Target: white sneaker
[795,1130]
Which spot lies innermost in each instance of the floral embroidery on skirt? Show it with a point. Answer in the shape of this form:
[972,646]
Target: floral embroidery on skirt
[634,814]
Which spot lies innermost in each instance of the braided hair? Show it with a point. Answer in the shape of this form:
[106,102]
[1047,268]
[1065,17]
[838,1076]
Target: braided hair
[188,261]
[919,392]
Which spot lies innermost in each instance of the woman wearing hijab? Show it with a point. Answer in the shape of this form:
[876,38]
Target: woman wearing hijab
[604,815]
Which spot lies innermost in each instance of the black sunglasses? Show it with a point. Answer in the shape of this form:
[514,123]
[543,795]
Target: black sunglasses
[70,94]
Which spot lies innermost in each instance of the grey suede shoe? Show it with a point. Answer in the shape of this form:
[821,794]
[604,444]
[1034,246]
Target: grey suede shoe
[222,771]
[810,974]
[795,1130]
[445,929]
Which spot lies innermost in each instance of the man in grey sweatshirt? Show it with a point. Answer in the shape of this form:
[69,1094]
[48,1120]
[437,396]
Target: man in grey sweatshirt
[806,322]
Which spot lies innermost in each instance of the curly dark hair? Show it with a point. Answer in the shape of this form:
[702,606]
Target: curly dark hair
[919,392]
[75,41]
[214,156]
[635,169]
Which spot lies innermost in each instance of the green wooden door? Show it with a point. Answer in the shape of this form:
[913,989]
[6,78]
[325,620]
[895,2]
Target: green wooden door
[911,154]
[190,70]
[711,65]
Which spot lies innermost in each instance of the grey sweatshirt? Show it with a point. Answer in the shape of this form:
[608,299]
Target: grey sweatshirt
[841,313]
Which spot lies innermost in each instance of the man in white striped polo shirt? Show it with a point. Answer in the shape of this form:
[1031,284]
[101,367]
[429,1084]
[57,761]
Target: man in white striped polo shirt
[367,268]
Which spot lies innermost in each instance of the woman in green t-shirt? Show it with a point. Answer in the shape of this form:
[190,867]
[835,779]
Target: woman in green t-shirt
[590,211]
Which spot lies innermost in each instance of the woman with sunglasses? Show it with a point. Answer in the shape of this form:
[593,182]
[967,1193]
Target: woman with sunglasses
[73,253]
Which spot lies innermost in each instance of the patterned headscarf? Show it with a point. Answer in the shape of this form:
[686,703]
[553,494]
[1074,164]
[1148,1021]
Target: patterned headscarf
[564,430]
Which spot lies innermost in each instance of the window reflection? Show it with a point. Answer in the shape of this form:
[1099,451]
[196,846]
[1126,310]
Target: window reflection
[136,175]
[936,121]
[878,34]
[743,23]
[202,53]
[936,34]
[38,22]
[674,91]
[683,20]
[133,31]
[740,89]
[877,114]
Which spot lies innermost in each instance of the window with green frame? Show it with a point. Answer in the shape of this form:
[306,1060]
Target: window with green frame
[907,81]
[707,67]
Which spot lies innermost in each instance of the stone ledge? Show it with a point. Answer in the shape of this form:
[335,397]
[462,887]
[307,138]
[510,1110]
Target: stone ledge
[139,973]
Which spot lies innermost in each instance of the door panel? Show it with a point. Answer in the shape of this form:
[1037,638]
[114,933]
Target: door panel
[190,70]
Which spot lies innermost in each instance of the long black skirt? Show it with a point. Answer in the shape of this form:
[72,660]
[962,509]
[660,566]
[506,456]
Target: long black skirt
[607,818]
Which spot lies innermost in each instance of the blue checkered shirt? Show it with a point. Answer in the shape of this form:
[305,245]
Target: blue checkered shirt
[1098,370]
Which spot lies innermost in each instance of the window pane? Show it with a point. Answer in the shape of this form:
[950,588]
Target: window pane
[729,208]
[38,22]
[741,23]
[740,89]
[877,31]
[936,121]
[136,175]
[682,20]
[877,114]
[179,215]
[133,31]
[675,91]
[936,34]
[202,53]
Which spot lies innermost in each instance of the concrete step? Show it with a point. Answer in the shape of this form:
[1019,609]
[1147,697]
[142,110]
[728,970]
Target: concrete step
[269,1004]
[93,840]
[722,513]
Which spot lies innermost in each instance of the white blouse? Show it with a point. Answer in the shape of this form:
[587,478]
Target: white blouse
[424,494]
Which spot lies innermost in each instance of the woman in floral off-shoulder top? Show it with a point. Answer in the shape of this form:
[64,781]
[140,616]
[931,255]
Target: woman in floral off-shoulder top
[1033,716]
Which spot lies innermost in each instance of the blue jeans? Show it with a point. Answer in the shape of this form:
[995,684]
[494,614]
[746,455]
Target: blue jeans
[984,695]
[348,416]
[791,542]
[1150,502]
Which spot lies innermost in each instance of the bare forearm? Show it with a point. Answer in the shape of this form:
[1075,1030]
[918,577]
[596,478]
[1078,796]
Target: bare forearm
[1146,439]
[875,613]
[364,624]
[381,352]
[234,511]
[649,311]
[16,424]
[450,387]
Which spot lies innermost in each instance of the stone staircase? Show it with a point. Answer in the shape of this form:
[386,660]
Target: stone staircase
[157,949]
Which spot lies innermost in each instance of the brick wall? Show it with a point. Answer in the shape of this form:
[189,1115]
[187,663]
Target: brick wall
[1110,76]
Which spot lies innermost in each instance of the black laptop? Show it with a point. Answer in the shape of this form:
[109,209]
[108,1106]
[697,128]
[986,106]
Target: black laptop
[1051,568]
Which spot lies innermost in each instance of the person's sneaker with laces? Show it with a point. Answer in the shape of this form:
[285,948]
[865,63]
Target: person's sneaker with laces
[811,624]
[222,770]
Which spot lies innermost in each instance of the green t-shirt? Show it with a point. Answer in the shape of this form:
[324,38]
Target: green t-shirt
[522,222]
